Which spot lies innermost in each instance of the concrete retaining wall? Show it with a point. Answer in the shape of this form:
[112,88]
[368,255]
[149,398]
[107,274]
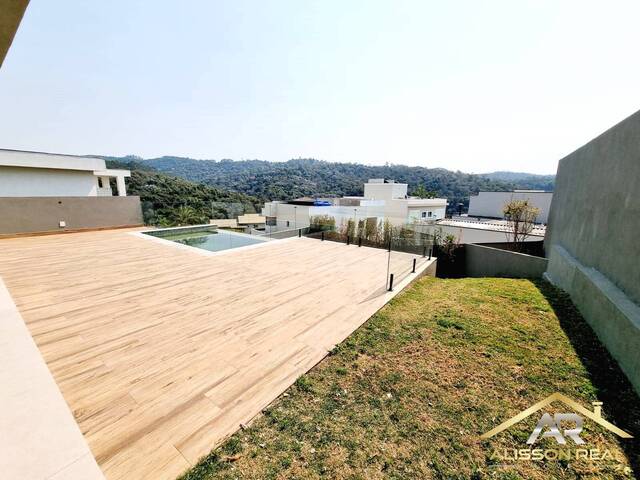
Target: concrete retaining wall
[611,314]
[24,215]
[592,238]
[484,261]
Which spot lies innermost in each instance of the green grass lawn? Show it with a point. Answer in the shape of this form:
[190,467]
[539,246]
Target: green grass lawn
[409,394]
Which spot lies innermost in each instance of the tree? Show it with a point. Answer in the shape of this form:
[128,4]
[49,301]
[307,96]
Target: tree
[387,231]
[521,217]
[371,229]
[447,243]
[422,192]
[185,215]
[351,228]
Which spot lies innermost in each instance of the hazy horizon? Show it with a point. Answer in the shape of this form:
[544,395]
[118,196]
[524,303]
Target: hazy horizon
[497,86]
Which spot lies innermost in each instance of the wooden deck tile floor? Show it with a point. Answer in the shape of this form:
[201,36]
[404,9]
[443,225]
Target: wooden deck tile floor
[162,352]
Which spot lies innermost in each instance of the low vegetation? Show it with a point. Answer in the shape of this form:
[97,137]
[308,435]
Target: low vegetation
[371,232]
[409,394]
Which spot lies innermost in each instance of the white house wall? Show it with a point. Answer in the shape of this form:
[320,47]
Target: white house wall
[477,235]
[43,182]
[437,213]
[290,217]
[491,204]
[385,191]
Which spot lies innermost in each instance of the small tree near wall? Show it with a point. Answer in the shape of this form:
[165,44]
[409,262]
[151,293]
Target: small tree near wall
[521,216]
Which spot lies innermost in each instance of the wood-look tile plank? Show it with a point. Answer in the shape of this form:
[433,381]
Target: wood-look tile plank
[162,352]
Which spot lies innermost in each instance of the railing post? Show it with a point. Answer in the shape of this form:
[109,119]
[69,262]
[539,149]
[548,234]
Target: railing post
[391,282]
[414,266]
[359,241]
[322,236]
[348,240]
[389,245]
[424,251]
[430,253]
[299,233]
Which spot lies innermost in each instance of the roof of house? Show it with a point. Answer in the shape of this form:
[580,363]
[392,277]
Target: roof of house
[57,161]
[510,191]
[487,224]
[22,158]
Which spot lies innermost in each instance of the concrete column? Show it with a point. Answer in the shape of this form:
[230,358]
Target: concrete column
[122,188]
[105,182]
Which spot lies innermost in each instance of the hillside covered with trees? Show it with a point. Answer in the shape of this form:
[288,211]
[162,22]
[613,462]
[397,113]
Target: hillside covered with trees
[167,200]
[524,180]
[254,181]
[310,177]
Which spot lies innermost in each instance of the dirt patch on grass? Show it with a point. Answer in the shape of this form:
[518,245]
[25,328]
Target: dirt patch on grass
[409,394]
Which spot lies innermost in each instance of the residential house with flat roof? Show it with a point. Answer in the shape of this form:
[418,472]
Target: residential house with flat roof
[382,199]
[49,192]
[39,174]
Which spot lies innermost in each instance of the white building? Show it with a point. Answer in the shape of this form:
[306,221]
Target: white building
[401,208]
[491,204]
[472,230]
[382,199]
[36,174]
[298,213]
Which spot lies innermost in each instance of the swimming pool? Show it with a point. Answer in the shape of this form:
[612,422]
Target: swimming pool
[207,238]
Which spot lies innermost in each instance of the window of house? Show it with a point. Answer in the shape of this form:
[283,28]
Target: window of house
[430,213]
[100,183]
[424,214]
[287,223]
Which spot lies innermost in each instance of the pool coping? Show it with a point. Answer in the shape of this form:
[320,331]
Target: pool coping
[202,251]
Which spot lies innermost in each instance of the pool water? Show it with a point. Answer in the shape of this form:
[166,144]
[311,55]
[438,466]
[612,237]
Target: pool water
[212,240]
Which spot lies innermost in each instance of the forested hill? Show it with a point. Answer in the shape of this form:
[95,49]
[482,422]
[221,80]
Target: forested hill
[528,180]
[168,200]
[309,177]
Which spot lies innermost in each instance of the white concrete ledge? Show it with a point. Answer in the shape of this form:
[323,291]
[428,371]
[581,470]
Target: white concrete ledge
[40,439]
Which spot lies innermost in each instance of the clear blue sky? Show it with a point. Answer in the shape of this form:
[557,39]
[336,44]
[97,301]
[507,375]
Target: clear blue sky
[468,85]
